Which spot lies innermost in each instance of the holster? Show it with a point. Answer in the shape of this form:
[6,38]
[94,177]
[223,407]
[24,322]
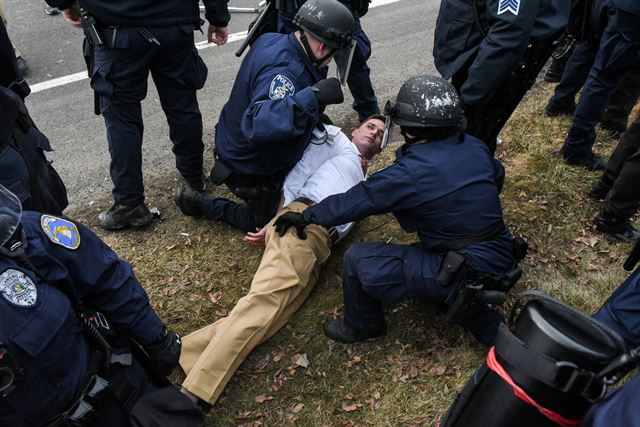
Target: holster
[88,51]
[473,288]
[220,172]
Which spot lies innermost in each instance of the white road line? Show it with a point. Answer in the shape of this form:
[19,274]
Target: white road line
[235,37]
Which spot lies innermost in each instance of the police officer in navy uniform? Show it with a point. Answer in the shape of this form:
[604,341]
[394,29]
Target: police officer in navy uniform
[359,80]
[444,185]
[136,37]
[53,370]
[493,50]
[618,52]
[276,102]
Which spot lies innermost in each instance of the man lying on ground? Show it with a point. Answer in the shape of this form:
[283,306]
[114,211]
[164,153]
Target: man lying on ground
[289,268]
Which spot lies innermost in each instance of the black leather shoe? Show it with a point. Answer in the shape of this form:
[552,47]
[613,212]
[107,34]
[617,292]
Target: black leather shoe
[616,227]
[553,110]
[120,216]
[50,10]
[598,190]
[590,162]
[197,184]
[338,330]
[614,129]
[189,201]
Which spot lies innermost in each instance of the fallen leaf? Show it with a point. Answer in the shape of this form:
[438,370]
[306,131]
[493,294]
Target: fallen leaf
[278,356]
[301,360]
[437,370]
[297,408]
[350,408]
[376,395]
[591,267]
[263,398]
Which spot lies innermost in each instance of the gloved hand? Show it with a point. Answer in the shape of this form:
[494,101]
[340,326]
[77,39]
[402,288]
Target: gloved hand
[164,351]
[328,91]
[291,219]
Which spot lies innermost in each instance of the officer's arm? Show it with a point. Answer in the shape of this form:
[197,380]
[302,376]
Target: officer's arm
[61,4]
[217,12]
[108,284]
[502,48]
[499,174]
[389,190]
[275,113]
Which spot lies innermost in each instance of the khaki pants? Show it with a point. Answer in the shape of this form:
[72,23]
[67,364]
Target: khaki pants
[287,273]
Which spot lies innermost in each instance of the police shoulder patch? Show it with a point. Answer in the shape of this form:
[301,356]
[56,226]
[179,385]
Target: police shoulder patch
[512,6]
[281,87]
[17,288]
[60,231]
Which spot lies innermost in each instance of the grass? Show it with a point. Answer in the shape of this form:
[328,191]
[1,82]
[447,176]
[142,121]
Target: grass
[194,271]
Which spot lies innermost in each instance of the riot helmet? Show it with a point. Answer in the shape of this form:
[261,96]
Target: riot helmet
[10,214]
[332,23]
[424,102]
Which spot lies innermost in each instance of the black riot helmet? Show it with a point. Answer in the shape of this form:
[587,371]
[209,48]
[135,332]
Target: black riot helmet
[332,23]
[424,102]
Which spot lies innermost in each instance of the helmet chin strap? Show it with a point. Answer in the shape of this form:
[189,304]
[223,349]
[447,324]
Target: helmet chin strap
[307,47]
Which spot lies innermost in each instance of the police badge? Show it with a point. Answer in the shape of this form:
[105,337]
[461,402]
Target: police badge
[18,288]
[281,87]
[60,231]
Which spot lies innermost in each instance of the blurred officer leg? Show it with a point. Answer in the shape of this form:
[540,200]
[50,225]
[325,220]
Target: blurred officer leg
[622,200]
[359,79]
[616,117]
[617,53]
[575,74]
[287,273]
[178,71]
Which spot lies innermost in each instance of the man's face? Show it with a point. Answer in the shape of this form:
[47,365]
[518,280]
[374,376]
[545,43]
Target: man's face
[368,137]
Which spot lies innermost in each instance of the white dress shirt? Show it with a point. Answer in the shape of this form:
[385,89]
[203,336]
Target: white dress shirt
[331,164]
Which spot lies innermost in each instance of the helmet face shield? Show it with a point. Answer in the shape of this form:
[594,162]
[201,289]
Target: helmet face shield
[387,136]
[10,214]
[343,58]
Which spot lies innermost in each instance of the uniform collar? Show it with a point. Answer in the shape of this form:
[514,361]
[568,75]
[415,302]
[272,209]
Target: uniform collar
[317,74]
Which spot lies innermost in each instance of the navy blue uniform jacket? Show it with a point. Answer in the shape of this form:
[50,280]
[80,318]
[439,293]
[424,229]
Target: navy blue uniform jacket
[458,38]
[151,13]
[442,190]
[267,122]
[44,334]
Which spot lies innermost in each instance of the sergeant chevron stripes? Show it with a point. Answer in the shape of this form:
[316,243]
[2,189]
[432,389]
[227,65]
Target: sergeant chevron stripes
[512,6]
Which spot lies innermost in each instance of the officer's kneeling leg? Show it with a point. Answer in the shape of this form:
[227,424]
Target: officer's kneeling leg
[377,272]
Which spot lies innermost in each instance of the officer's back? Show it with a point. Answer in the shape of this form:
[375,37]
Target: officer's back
[456,186]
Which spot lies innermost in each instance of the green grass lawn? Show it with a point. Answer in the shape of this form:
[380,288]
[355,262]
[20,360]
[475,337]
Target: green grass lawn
[195,270]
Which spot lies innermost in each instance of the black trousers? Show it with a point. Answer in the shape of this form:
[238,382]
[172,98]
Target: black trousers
[623,175]
[486,119]
[622,101]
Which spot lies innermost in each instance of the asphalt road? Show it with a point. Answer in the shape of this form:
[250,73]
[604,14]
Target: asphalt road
[401,32]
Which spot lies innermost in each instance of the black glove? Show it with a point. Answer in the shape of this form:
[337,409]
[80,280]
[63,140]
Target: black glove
[164,351]
[328,91]
[291,219]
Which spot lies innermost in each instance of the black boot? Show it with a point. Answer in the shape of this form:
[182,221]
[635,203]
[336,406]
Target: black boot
[599,190]
[189,201]
[338,330]
[615,227]
[590,162]
[553,110]
[120,216]
[197,183]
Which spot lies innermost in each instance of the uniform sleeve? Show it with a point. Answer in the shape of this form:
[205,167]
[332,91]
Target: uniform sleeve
[61,4]
[388,190]
[499,174]
[108,284]
[279,110]
[217,12]
[502,48]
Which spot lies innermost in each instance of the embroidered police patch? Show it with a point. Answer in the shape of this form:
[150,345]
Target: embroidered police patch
[512,6]
[60,231]
[18,288]
[281,87]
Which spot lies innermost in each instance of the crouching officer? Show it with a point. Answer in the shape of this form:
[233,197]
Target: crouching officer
[359,80]
[67,303]
[445,186]
[276,101]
